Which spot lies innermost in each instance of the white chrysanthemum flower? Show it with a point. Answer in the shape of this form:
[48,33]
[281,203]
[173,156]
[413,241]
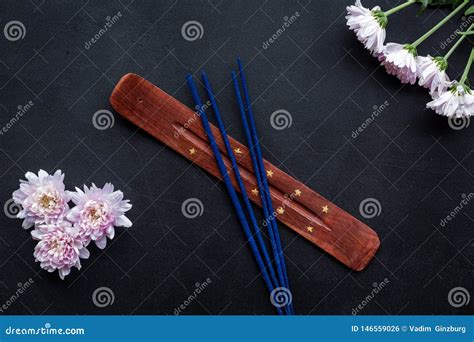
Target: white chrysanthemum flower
[42,197]
[456,102]
[400,60]
[368,25]
[97,212]
[59,247]
[432,73]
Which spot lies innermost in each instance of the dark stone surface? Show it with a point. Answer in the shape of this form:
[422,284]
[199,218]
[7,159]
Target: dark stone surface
[408,158]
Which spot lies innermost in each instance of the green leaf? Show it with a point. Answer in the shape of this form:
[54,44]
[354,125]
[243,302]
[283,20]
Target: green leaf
[470,10]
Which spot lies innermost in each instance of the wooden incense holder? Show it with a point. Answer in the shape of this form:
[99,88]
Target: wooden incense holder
[297,206]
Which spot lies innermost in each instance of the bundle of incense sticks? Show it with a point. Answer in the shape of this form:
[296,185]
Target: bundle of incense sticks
[276,278]
[303,210]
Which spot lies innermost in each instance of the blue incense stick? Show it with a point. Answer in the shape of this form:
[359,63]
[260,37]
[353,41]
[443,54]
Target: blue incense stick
[228,183]
[259,179]
[238,177]
[254,145]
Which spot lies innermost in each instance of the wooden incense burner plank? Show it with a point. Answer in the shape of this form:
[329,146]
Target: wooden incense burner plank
[296,205]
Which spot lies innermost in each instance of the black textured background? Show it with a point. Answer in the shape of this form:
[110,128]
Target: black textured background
[409,159]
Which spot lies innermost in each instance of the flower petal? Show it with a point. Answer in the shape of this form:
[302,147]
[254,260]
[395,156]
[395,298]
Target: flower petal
[102,242]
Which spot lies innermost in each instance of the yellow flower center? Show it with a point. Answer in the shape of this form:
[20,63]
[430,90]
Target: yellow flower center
[48,200]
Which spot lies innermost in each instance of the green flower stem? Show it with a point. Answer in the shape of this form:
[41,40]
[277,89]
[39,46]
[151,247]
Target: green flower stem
[467,68]
[460,40]
[399,7]
[441,23]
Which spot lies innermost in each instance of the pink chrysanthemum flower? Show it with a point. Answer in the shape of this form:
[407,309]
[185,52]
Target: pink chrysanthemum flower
[97,212]
[400,60]
[59,247]
[42,197]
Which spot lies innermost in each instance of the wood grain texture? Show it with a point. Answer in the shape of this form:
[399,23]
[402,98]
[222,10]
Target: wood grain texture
[296,205]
